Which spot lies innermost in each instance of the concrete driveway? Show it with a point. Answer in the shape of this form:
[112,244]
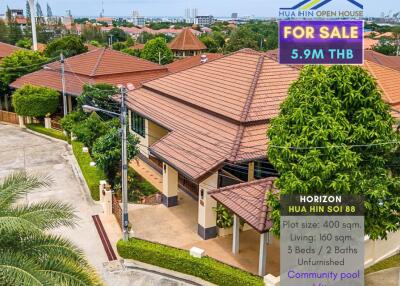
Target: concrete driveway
[21,150]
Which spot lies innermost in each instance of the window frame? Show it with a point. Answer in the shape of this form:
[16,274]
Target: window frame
[138,124]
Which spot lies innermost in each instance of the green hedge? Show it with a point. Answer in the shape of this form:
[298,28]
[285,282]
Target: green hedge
[180,260]
[93,175]
[46,131]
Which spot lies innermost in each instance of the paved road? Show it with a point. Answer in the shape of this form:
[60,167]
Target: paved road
[21,150]
[387,277]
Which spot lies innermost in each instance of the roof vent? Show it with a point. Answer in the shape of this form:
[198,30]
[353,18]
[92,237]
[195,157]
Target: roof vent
[203,59]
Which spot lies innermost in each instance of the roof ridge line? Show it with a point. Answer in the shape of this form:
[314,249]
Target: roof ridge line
[246,108]
[93,73]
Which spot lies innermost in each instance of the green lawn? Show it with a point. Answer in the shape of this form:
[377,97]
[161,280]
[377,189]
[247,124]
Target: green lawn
[46,131]
[93,175]
[393,261]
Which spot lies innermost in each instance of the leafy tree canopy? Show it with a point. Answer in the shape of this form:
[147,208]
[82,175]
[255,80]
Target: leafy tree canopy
[119,46]
[18,64]
[132,52]
[157,51]
[335,108]
[107,151]
[118,35]
[99,95]
[35,101]
[69,45]
[25,43]
[211,44]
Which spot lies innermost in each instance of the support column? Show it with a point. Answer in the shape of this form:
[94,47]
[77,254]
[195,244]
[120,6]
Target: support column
[250,175]
[236,232]
[262,259]
[207,217]
[170,186]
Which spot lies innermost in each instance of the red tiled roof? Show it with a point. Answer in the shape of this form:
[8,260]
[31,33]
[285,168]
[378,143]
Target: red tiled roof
[7,49]
[189,62]
[370,43]
[187,41]
[98,66]
[388,80]
[52,79]
[103,61]
[248,201]
[216,111]
[384,60]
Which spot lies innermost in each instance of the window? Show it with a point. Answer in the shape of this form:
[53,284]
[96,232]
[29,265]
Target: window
[138,124]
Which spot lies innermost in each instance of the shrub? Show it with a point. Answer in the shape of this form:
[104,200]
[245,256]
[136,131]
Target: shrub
[119,46]
[72,119]
[89,130]
[35,101]
[46,131]
[224,217]
[180,260]
[92,175]
[107,151]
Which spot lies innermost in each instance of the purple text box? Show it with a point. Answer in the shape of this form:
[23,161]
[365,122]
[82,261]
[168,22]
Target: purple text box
[321,42]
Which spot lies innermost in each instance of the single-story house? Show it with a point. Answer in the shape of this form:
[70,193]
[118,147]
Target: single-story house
[97,66]
[204,127]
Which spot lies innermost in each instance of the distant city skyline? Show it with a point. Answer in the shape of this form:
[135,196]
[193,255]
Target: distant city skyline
[171,8]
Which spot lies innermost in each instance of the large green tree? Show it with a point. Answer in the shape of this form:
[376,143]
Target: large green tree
[69,45]
[18,64]
[118,35]
[99,95]
[334,135]
[29,254]
[157,51]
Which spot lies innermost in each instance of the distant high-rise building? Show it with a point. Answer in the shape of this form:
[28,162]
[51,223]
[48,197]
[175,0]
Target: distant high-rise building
[187,13]
[234,15]
[195,13]
[137,20]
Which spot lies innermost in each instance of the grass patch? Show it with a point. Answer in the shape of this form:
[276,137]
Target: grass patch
[393,261]
[47,131]
[93,175]
[180,260]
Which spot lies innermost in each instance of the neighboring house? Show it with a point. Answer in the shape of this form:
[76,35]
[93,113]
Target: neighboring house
[98,66]
[370,43]
[186,44]
[7,49]
[205,127]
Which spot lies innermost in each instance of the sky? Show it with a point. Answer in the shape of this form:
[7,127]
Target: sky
[222,8]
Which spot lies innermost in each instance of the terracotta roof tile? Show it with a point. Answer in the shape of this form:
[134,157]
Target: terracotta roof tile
[216,111]
[387,61]
[248,201]
[98,66]
[388,80]
[104,61]
[7,49]
[187,41]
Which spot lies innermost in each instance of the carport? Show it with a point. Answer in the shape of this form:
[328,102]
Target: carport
[248,201]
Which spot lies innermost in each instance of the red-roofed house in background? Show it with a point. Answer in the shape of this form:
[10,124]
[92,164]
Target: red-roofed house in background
[97,66]
[7,49]
[186,44]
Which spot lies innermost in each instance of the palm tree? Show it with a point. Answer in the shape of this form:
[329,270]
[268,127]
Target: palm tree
[29,255]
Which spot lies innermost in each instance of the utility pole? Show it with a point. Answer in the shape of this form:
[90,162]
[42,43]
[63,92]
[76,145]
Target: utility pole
[63,84]
[124,151]
[33,23]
